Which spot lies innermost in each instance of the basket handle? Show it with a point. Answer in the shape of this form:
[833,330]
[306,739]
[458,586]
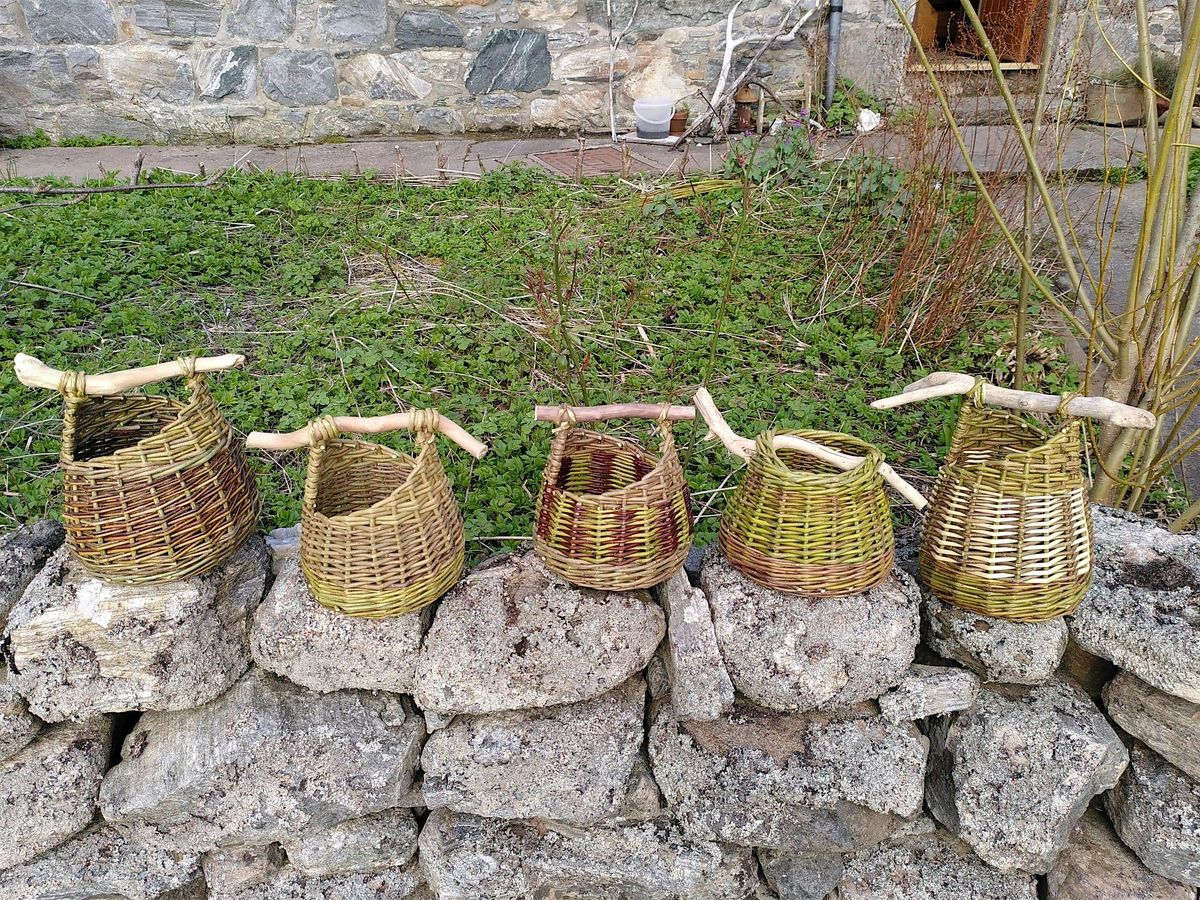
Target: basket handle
[718,429]
[32,372]
[302,437]
[947,384]
[559,414]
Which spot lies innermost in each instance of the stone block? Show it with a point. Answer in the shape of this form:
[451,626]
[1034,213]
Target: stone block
[373,76]
[227,73]
[299,77]
[70,21]
[24,550]
[150,73]
[18,726]
[261,20]
[997,650]
[929,691]
[178,18]
[427,28]
[359,22]
[1167,724]
[80,646]
[700,684]
[382,840]
[512,59]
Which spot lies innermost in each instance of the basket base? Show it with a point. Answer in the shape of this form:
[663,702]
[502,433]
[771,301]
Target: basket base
[608,577]
[369,604]
[1008,599]
[829,578]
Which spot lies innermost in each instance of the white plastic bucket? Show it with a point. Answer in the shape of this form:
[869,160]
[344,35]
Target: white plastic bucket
[653,115]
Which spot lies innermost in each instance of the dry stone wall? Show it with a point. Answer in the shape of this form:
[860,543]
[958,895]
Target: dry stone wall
[277,71]
[226,737]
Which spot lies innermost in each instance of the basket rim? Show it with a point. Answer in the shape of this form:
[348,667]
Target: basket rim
[180,407]
[1071,430]
[368,511]
[768,457]
[656,470]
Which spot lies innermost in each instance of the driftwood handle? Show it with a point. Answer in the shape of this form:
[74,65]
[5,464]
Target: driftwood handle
[612,411]
[32,372]
[302,437]
[947,384]
[718,429]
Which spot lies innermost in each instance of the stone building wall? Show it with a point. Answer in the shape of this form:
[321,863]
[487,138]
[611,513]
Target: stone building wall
[291,70]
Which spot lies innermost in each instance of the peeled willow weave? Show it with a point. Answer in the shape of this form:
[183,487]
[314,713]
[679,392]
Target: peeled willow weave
[153,489]
[380,533]
[801,526]
[1008,530]
[612,515]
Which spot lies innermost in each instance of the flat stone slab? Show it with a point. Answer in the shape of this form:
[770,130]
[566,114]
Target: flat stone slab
[794,653]
[1142,611]
[511,635]
[700,684]
[324,650]
[266,761]
[263,873]
[934,866]
[1156,812]
[815,781]
[929,691]
[80,647]
[569,764]
[997,650]
[1096,866]
[382,840]
[489,859]
[48,789]
[102,862]
[1014,773]
[1167,724]
[22,553]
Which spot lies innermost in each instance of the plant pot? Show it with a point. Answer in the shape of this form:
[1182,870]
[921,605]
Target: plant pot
[679,123]
[1114,104]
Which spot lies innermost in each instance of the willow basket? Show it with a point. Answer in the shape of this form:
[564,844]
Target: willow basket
[153,489]
[611,515]
[1008,530]
[381,533]
[801,526]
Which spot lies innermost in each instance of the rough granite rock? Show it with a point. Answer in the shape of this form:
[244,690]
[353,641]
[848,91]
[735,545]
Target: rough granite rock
[929,691]
[22,553]
[79,646]
[178,18]
[48,790]
[473,858]
[511,635]
[935,866]
[1013,774]
[427,28]
[795,875]
[382,840]
[816,781]
[794,653]
[261,20]
[262,763]
[101,862]
[299,77]
[700,684]
[569,764]
[283,544]
[227,72]
[70,21]
[263,873]
[17,725]
[1143,608]
[1169,725]
[996,649]
[325,650]
[1097,866]
[643,800]
[1156,813]
[358,22]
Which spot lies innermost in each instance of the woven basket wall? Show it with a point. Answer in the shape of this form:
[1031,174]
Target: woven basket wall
[611,515]
[381,533]
[1008,530]
[153,489]
[802,526]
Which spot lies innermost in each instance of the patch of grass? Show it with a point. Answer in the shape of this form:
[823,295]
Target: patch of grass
[359,296]
[40,139]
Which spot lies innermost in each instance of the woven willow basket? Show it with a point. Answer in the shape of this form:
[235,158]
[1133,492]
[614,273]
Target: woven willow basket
[153,489]
[1008,530]
[611,515]
[381,533]
[801,526]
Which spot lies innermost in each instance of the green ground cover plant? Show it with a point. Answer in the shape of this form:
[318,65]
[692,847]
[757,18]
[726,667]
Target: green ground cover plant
[482,298]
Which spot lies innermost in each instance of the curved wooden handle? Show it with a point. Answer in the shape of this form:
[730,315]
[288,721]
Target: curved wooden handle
[946,384]
[718,429]
[302,437]
[32,372]
[613,411]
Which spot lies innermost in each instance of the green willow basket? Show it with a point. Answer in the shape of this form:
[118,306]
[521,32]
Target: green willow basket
[801,526]
[1008,530]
